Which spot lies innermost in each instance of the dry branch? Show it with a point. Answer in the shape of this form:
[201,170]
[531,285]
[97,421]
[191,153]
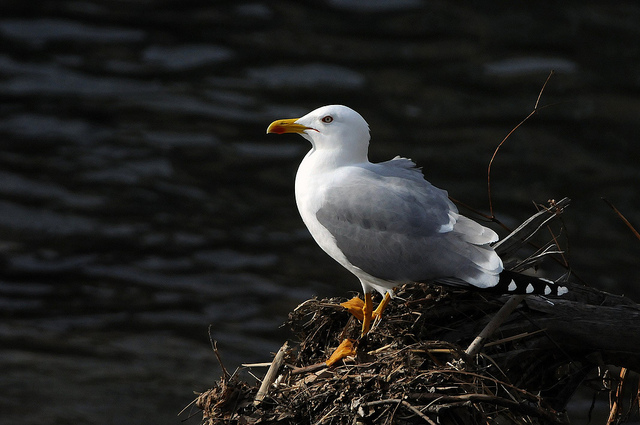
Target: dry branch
[271,375]
[495,322]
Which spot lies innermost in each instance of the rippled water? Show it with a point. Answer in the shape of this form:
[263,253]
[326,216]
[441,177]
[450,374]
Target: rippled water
[141,201]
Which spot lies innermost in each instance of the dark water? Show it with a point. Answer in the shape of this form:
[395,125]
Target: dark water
[141,201]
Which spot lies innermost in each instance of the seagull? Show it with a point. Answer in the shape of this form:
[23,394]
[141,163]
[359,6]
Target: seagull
[384,222]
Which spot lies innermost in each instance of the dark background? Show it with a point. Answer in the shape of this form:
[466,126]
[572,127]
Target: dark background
[141,201]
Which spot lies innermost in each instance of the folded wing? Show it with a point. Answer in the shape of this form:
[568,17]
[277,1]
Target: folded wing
[394,225]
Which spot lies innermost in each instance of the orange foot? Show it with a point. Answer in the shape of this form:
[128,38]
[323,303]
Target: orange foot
[345,349]
[354,305]
[363,310]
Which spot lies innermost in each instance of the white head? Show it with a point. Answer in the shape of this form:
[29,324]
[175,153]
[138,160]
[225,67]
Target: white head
[329,127]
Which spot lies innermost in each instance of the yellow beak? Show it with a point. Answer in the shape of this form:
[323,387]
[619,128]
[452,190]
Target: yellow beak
[286,126]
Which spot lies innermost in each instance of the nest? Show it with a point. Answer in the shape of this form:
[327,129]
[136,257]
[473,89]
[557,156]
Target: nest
[405,371]
[411,368]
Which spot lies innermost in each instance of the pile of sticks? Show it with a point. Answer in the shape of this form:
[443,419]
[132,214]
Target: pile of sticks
[447,356]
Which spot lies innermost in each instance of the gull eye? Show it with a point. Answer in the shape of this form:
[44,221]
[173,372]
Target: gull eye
[327,119]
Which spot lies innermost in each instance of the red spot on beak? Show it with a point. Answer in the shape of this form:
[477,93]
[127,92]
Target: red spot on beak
[286,126]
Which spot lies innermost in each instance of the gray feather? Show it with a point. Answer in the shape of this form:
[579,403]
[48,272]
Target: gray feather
[394,225]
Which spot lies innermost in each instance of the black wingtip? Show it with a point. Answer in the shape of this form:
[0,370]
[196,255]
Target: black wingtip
[517,283]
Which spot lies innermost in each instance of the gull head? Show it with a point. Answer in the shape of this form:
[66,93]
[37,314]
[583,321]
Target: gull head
[329,127]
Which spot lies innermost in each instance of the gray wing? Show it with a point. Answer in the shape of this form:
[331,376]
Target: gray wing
[394,225]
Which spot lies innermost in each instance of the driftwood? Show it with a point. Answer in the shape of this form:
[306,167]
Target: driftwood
[412,367]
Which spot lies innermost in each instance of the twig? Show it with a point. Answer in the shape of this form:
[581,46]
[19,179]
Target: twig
[328,414]
[496,381]
[309,369]
[214,345]
[524,408]
[638,396]
[526,230]
[186,407]
[404,403]
[502,314]
[623,218]
[513,338]
[553,207]
[271,375]
[560,252]
[616,403]
[263,364]
[536,108]
[532,260]
[637,400]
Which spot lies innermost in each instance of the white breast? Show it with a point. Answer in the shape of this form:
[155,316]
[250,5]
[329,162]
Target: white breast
[312,181]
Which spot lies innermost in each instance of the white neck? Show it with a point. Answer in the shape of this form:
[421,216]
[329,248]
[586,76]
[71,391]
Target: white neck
[327,159]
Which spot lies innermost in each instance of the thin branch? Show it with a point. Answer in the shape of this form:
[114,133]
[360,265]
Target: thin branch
[309,369]
[616,403]
[623,218]
[536,108]
[404,403]
[271,375]
[214,346]
[495,322]
[186,407]
[526,230]
[524,407]
[514,337]
[637,399]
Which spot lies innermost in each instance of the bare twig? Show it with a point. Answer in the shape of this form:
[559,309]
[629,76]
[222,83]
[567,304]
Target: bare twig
[553,208]
[404,403]
[523,233]
[309,369]
[637,399]
[186,407]
[262,364]
[616,402]
[327,415]
[502,314]
[515,406]
[536,108]
[271,375]
[623,218]
[214,346]
[514,337]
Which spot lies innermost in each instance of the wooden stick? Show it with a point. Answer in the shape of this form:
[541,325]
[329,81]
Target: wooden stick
[309,369]
[616,403]
[271,375]
[502,314]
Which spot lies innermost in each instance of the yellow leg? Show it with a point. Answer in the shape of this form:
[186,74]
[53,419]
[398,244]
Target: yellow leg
[383,304]
[367,313]
[358,308]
